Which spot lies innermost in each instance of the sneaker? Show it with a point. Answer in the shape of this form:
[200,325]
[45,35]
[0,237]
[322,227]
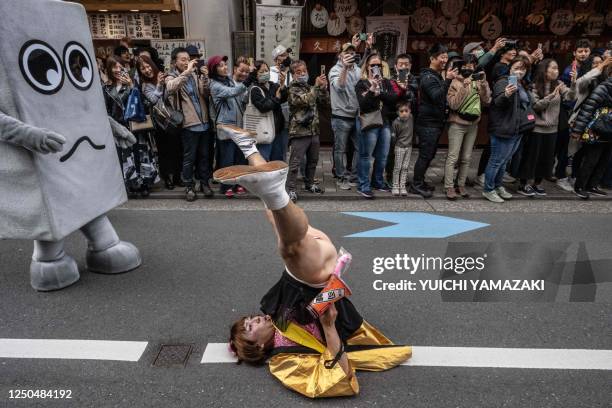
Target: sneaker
[526,190]
[293,196]
[581,193]
[597,192]
[395,191]
[539,191]
[190,194]
[480,180]
[385,188]
[366,194]
[503,193]
[492,196]
[315,189]
[229,193]
[353,183]
[206,190]
[420,190]
[403,191]
[428,186]
[343,184]
[508,178]
[240,190]
[564,184]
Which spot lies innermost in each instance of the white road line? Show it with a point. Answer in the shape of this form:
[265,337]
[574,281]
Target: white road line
[564,359]
[72,349]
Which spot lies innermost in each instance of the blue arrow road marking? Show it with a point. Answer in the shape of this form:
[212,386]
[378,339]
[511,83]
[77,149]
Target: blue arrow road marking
[414,225]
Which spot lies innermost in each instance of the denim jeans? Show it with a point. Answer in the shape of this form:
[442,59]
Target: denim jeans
[344,130]
[502,150]
[428,145]
[265,150]
[229,155]
[279,146]
[373,143]
[195,152]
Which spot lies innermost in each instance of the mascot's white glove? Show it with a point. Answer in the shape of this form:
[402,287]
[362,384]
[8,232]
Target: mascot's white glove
[33,138]
[123,137]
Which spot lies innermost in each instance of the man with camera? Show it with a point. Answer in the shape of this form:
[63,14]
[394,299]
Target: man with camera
[188,87]
[280,74]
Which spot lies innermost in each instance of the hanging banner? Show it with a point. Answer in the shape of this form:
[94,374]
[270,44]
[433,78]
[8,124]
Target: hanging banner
[390,34]
[276,25]
[143,26]
[105,26]
[164,47]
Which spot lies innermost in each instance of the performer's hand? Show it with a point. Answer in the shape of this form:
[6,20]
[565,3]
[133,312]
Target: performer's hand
[328,319]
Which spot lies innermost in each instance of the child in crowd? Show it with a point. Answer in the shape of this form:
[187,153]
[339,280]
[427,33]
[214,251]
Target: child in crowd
[402,129]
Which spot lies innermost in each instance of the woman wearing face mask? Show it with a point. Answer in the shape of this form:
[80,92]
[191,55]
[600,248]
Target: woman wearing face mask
[539,147]
[466,96]
[375,136]
[509,117]
[268,96]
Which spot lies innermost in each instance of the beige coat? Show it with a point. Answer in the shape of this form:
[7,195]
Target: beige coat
[176,85]
[458,91]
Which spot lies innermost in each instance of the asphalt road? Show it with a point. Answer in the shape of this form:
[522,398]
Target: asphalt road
[205,267]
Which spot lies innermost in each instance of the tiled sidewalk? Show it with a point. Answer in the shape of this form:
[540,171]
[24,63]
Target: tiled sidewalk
[435,175]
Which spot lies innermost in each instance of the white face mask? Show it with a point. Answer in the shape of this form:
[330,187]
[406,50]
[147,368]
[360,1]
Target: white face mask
[518,73]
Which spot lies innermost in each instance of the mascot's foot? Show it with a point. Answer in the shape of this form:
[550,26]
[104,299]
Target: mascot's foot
[53,275]
[119,258]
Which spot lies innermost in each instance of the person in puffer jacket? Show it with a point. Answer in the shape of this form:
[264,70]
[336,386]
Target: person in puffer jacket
[596,154]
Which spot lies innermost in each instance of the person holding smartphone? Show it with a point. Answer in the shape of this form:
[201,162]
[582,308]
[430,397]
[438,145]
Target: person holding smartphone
[509,114]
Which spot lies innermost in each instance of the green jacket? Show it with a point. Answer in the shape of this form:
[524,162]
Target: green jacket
[304,101]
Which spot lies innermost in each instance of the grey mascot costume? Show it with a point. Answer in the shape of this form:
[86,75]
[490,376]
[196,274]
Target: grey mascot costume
[59,169]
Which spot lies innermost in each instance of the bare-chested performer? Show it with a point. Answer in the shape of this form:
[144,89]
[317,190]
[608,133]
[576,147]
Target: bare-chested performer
[315,357]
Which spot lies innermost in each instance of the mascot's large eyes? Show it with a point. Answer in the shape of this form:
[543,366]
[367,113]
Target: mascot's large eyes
[79,67]
[41,67]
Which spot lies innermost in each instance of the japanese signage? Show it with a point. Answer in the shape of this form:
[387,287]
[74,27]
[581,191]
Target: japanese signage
[276,25]
[165,47]
[143,26]
[139,26]
[345,8]
[390,34]
[562,22]
[107,26]
[322,45]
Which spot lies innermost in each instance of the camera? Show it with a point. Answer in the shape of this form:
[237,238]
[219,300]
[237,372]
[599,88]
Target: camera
[477,76]
[356,59]
[511,44]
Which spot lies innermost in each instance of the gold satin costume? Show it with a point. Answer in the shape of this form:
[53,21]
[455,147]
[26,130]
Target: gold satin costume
[367,349]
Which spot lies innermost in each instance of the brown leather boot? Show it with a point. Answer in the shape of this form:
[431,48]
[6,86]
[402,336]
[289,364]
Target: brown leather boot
[461,191]
[451,194]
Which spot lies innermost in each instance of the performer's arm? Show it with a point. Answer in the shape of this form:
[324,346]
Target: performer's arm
[334,344]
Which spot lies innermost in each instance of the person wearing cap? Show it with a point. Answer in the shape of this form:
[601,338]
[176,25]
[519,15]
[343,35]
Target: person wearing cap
[279,73]
[485,58]
[227,103]
[345,109]
[188,90]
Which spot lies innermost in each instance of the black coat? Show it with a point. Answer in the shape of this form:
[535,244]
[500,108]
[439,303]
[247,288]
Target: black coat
[432,99]
[267,101]
[505,112]
[116,101]
[601,97]
[369,102]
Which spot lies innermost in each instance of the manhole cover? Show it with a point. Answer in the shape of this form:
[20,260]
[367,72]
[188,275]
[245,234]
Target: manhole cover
[173,355]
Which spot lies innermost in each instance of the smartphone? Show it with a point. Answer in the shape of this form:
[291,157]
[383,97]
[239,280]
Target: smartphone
[322,69]
[402,75]
[376,72]
[356,59]
[574,65]
[363,36]
[540,45]
[513,80]
[457,64]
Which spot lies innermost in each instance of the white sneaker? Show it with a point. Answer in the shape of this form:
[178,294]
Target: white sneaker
[503,193]
[343,184]
[403,191]
[565,184]
[244,139]
[395,191]
[480,180]
[492,196]
[508,178]
[266,181]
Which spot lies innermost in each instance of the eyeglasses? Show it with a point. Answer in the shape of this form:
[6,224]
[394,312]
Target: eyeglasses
[376,65]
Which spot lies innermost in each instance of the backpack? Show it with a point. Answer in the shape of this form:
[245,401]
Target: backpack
[470,109]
